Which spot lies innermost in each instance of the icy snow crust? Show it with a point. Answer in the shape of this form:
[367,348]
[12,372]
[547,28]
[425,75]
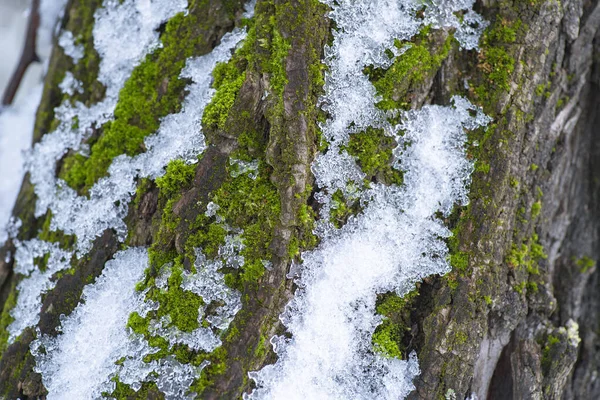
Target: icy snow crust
[397,240]
[77,363]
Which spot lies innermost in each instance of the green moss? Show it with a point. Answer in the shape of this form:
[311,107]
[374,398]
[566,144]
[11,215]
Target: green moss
[585,263]
[527,255]
[536,209]
[342,209]
[392,304]
[262,348]
[254,206]
[552,346]
[180,305]
[373,150]
[216,367]
[496,62]
[520,287]
[388,336]
[461,337]
[271,47]
[482,166]
[138,324]
[504,32]
[459,261]
[122,391]
[228,80]
[420,60]
[178,175]
[532,287]
[153,91]
[5,318]
[386,339]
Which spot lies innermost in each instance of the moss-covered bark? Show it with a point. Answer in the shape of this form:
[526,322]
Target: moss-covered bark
[522,253]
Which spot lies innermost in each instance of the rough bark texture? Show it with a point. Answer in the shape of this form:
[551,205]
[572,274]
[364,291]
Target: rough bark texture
[497,326]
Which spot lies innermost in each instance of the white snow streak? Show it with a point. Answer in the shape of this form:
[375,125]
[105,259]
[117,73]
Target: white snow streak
[396,241]
[137,21]
[78,363]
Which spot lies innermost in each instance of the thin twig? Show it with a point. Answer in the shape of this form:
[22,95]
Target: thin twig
[28,55]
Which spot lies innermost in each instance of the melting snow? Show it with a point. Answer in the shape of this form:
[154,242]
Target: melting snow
[397,240]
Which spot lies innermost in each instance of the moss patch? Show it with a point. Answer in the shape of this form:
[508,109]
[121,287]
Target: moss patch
[421,59]
[153,91]
[373,151]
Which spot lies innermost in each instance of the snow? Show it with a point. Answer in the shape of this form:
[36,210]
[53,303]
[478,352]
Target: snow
[73,50]
[26,311]
[77,364]
[397,239]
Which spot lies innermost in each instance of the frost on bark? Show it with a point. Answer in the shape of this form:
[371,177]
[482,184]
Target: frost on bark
[192,164]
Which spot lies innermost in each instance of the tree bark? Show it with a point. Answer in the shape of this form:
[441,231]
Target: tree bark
[509,324]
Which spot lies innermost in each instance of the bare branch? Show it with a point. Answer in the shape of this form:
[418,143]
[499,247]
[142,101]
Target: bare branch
[28,55]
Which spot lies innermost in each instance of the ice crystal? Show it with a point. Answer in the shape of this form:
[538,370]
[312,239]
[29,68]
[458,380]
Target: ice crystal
[73,50]
[395,241]
[35,282]
[173,378]
[70,85]
[244,167]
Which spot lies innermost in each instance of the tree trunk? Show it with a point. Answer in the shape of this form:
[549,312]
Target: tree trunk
[517,315]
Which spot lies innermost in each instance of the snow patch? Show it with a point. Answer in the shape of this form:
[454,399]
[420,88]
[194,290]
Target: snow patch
[397,239]
[77,363]
[36,281]
[73,50]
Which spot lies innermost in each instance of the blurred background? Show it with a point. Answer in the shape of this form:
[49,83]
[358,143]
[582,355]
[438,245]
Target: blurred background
[13,23]
[17,120]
